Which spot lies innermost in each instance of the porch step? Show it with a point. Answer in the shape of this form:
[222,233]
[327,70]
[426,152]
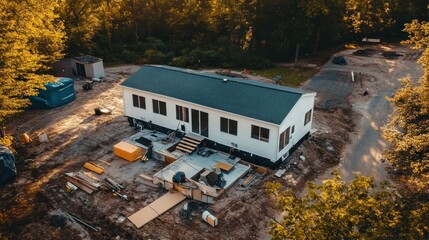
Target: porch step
[183,149]
[189,143]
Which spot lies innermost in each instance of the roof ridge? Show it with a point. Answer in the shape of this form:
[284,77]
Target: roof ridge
[234,79]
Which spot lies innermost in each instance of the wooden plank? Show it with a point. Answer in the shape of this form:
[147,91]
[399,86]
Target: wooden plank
[79,185]
[81,180]
[88,179]
[93,168]
[191,140]
[156,208]
[183,149]
[185,146]
[194,136]
[224,166]
[189,144]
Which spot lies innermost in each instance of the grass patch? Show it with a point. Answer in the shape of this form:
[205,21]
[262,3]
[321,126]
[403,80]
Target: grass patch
[290,76]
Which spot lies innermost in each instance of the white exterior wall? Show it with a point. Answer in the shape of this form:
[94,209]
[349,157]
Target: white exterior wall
[243,138]
[98,69]
[296,117]
[92,70]
[89,70]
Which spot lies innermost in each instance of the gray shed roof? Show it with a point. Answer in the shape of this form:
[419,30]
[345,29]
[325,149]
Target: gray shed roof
[88,59]
[260,101]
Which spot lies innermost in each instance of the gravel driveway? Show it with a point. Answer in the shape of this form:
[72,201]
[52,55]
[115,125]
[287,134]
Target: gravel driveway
[335,89]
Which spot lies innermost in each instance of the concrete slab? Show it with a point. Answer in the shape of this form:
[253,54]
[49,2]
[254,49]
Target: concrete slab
[194,163]
[231,177]
[156,139]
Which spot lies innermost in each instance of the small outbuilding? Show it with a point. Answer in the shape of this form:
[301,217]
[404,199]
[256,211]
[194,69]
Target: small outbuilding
[56,94]
[88,66]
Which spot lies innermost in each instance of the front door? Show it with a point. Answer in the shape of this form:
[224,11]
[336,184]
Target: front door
[200,122]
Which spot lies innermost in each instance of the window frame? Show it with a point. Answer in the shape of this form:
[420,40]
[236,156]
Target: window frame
[139,101]
[260,133]
[307,117]
[229,126]
[284,138]
[182,113]
[159,107]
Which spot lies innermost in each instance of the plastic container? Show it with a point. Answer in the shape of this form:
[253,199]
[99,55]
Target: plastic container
[43,137]
[209,218]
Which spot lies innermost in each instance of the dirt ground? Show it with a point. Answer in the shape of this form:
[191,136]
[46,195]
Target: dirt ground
[36,205]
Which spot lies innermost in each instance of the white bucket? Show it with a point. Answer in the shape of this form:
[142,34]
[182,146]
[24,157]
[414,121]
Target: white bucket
[209,218]
[43,137]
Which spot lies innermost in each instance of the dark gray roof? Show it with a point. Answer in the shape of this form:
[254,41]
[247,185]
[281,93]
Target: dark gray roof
[261,101]
[87,59]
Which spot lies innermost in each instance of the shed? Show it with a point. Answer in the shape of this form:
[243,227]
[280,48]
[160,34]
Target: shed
[56,94]
[88,66]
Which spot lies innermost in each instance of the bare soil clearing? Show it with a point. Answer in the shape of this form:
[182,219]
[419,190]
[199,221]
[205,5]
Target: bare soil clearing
[34,205]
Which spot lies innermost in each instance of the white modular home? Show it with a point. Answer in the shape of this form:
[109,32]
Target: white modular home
[258,122]
[88,66]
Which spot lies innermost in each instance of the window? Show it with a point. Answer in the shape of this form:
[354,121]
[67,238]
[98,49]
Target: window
[307,117]
[159,107]
[139,101]
[284,138]
[293,129]
[182,113]
[228,126]
[260,133]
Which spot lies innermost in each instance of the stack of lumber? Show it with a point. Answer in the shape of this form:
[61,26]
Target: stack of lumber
[83,182]
[127,151]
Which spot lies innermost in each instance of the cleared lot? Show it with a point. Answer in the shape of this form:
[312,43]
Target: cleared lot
[36,203]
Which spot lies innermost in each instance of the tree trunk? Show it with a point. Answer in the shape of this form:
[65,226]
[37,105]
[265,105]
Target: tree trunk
[2,132]
[134,13]
[108,25]
[296,54]
[317,40]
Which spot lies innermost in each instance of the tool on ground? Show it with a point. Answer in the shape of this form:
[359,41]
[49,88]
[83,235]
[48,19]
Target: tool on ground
[102,161]
[80,221]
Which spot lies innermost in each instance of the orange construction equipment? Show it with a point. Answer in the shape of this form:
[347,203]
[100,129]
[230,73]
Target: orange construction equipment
[127,151]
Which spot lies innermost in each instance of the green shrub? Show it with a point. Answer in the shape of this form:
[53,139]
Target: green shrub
[155,56]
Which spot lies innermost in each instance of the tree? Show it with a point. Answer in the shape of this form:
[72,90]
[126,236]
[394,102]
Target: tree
[325,14]
[81,21]
[369,16]
[408,128]
[359,210]
[31,38]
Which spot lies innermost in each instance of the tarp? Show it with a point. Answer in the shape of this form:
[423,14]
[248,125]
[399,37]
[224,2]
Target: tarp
[7,165]
[155,209]
[56,94]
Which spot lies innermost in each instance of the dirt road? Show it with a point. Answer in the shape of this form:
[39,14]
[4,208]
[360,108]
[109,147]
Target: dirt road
[381,77]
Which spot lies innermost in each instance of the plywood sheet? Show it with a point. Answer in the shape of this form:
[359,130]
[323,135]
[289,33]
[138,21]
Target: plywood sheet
[156,208]
[224,166]
[127,151]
